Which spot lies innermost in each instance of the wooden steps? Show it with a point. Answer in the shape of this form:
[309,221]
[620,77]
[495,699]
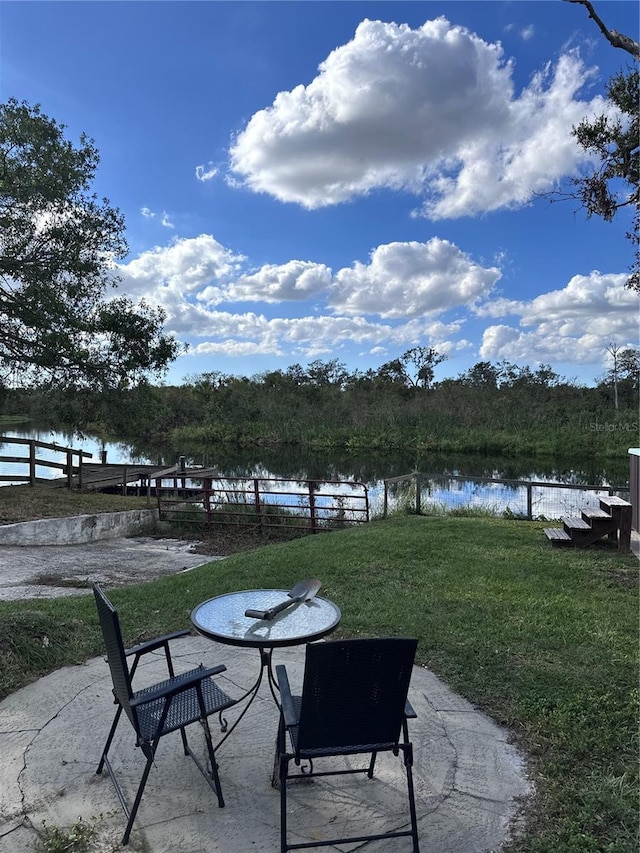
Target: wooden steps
[612,520]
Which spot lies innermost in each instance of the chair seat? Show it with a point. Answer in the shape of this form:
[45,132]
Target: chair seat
[184,708]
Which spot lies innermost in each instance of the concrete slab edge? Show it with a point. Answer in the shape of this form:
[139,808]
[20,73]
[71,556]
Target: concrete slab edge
[79,529]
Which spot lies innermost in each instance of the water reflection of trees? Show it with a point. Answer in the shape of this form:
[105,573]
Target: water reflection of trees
[301,464]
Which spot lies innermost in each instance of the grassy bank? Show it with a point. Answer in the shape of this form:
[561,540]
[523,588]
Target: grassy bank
[23,503]
[544,640]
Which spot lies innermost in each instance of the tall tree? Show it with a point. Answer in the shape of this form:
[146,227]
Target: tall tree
[59,321]
[614,183]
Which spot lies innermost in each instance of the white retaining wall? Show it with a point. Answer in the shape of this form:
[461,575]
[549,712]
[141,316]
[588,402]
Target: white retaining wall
[76,529]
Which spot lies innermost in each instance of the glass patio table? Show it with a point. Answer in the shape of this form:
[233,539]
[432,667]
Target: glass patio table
[222,619]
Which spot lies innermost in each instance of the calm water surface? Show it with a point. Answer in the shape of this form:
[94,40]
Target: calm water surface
[370,469]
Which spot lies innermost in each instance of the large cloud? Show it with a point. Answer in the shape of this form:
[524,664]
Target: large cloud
[574,324]
[412,279]
[430,110]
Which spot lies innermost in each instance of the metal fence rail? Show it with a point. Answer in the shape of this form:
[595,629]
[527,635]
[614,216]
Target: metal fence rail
[261,503]
[530,499]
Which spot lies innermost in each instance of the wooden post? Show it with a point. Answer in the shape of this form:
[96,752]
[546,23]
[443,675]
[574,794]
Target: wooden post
[625,514]
[32,462]
[103,457]
[418,492]
[386,500]
[206,498]
[69,468]
[312,506]
[124,480]
[529,502]
[80,479]
[256,501]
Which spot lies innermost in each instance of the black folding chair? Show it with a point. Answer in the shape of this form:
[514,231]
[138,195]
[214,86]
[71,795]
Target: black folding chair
[159,709]
[354,700]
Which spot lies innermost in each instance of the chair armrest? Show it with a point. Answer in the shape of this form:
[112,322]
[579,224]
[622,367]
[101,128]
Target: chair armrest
[286,699]
[152,645]
[409,713]
[177,684]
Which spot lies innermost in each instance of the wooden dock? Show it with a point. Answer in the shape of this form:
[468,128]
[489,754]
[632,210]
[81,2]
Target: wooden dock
[95,476]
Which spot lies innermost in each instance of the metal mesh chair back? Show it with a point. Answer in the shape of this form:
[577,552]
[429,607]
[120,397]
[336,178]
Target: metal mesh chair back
[354,694]
[116,657]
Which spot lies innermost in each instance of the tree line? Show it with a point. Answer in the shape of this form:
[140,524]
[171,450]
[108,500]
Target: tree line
[498,408]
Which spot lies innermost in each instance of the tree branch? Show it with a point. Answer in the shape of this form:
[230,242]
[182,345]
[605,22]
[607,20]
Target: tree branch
[614,38]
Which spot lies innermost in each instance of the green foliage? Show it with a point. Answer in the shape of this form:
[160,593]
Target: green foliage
[612,137]
[73,839]
[615,183]
[501,409]
[58,243]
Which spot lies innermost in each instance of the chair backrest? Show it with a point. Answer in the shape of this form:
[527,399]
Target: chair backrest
[116,657]
[354,692]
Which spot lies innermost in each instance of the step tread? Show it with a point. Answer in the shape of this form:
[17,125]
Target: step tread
[575,523]
[592,512]
[557,533]
[613,500]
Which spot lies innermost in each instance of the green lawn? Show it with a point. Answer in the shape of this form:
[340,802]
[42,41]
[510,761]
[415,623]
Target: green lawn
[545,640]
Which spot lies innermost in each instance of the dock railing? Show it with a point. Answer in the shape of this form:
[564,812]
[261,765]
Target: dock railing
[66,459]
[526,499]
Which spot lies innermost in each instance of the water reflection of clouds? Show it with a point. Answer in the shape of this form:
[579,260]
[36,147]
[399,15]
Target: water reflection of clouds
[441,490]
[549,500]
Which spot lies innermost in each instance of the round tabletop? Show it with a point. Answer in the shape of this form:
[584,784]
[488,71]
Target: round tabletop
[222,619]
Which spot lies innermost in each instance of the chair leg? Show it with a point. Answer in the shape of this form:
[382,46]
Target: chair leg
[185,745]
[212,759]
[283,770]
[132,815]
[371,765]
[408,763]
[280,747]
[107,745]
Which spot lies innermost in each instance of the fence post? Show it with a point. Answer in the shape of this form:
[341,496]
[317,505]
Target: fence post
[206,492]
[256,500]
[32,462]
[124,480]
[80,480]
[529,501]
[69,468]
[312,506]
[386,499]
[103,457]
[418,480]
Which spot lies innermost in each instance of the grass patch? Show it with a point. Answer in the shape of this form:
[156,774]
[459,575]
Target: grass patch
[25,503]
[544,640]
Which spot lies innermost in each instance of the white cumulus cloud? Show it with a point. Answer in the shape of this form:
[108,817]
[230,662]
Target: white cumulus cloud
[431,110]
[168,273]
[574,324]
[412,279]
[294,280]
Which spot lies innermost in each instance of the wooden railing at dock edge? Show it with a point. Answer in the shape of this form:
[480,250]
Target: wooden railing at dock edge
[69,467]
[419,479]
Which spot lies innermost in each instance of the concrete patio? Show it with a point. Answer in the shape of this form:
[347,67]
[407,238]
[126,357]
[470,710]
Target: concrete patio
[470,781]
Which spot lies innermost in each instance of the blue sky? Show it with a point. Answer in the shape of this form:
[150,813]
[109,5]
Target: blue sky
[320,180]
